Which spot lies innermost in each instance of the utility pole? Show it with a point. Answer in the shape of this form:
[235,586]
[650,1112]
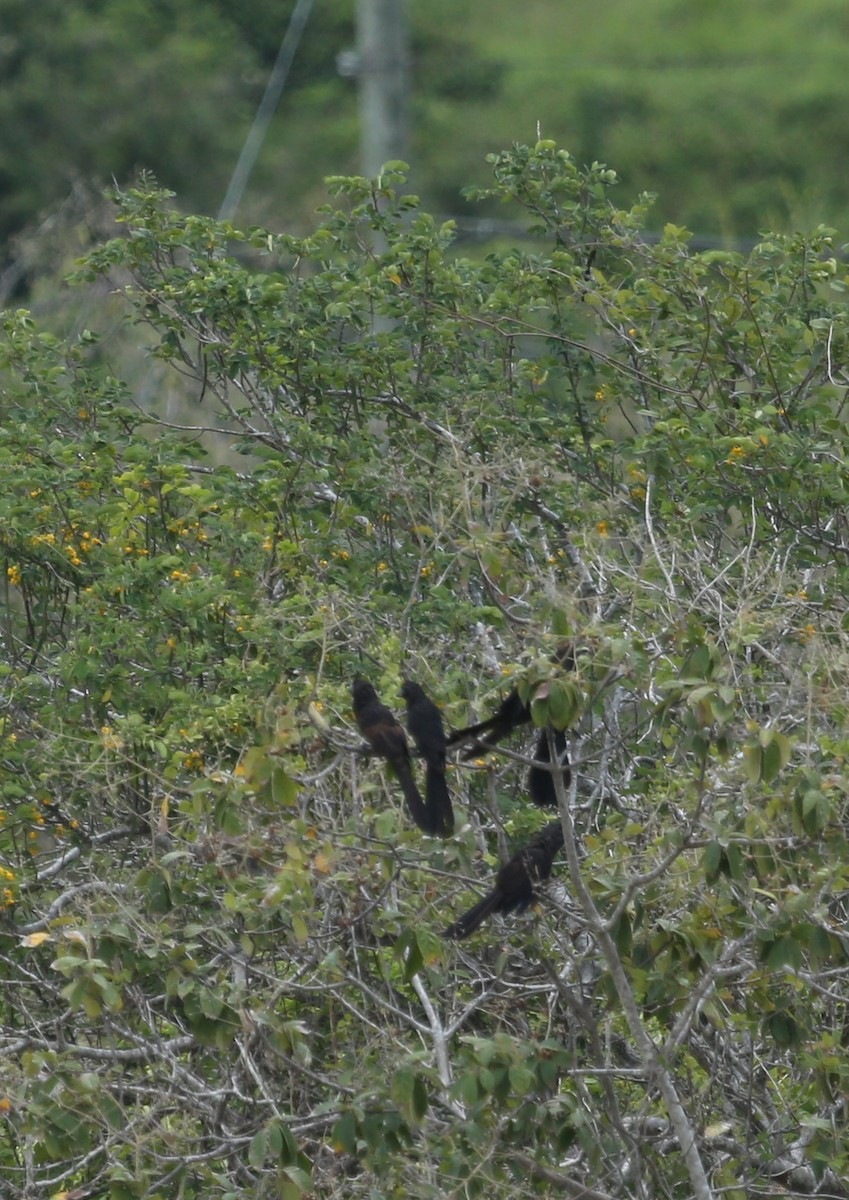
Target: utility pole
[382,65]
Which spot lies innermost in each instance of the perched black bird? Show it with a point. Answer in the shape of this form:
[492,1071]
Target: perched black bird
[387,738]
[510,714]
[516,882]
[424,721]
[540,779]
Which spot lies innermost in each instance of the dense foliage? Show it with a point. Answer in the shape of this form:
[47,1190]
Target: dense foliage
[222,969]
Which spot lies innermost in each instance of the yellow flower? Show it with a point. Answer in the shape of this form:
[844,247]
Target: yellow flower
[600,394]
[735,454]
[602,528]
[14,574]
[193,761]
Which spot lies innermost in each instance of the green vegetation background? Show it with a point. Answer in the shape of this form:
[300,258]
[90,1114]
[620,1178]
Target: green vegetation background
[733,113]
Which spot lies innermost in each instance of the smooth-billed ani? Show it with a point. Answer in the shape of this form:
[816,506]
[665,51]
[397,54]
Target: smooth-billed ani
[424,720]
[516,882]
[510,714]
[387,738]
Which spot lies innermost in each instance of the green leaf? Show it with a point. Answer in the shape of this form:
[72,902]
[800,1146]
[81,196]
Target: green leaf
[622,935]
[409,1092]
[521,1079]
[344,1135]
[419,1097]
[296,1183]
[784,952]
[712,860]
[284,789]
[540,712]
[784,1029]
[735,862]
[300,929]
[466,1088]
[257,1149]
[564,703]
[776,754]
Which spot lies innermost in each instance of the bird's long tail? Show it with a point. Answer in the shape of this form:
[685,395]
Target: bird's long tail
[540,779]
[470,921]
[462,735]
[438,801]
[419,811]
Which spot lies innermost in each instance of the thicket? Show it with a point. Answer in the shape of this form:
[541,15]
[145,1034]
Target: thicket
[221,962]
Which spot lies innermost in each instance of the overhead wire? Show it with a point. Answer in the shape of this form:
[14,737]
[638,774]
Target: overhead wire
[267,106]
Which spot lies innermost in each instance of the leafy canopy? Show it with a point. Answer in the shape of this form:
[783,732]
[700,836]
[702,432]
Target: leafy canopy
[221,930]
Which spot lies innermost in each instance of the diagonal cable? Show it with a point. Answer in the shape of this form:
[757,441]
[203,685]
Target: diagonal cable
[269,102]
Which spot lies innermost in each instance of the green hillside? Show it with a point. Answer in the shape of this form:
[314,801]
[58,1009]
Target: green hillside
[731,113]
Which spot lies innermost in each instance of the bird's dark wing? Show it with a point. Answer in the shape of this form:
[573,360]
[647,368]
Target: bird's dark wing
[424,721]
[510,714]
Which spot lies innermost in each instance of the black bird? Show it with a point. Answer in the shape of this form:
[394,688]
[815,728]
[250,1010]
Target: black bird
[540,779]
[424,720]
[387,738]
[516,882]
[510,714]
